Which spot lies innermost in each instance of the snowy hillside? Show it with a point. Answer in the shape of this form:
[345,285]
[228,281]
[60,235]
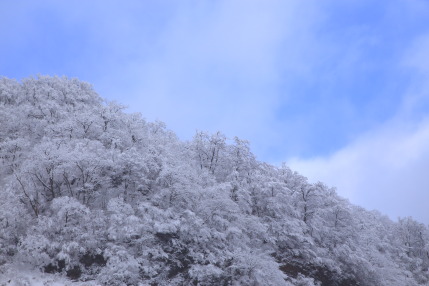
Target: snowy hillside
[91,193]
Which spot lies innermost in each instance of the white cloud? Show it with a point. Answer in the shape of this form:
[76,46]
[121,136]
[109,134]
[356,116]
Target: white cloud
[218,67]
[386,168]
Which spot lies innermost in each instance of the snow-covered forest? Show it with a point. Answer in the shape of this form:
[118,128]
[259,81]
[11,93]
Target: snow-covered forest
[92,193]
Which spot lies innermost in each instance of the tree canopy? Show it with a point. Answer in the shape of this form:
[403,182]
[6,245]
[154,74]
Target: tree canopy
[95,193]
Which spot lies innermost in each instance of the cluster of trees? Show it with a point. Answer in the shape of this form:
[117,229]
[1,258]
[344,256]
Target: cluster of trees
[95,193]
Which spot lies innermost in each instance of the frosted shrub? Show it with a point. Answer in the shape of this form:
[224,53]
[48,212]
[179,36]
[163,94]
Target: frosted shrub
[36,250]
[121,269]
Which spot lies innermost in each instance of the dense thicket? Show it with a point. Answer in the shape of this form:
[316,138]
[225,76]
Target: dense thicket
[95,193]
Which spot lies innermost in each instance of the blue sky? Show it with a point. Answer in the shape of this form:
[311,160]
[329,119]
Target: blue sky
[337,89]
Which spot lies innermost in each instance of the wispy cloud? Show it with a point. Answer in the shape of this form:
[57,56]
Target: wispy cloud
[222,66]
[386,167]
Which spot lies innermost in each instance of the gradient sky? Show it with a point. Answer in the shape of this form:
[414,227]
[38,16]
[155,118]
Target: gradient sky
[337,89]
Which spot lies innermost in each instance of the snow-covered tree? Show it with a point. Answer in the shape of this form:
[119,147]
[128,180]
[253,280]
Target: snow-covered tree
[94,193]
